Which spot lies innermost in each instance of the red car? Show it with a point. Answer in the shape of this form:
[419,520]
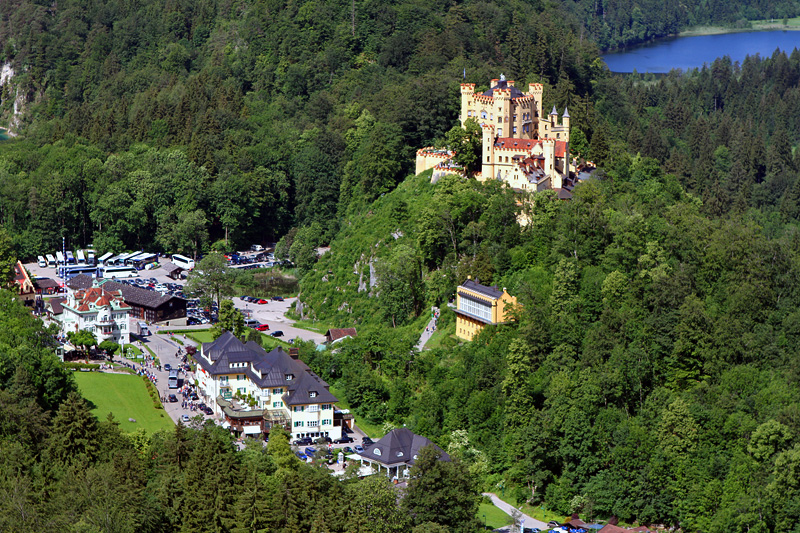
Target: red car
[262,301]
[262,327]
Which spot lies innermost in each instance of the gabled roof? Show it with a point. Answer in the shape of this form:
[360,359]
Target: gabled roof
[400,446]
[132,295]
[46,283]
[300,391]
[265,369]
[340,333]
[55,305]
[491,292]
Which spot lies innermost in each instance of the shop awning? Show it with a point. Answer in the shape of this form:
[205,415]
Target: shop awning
[251,430]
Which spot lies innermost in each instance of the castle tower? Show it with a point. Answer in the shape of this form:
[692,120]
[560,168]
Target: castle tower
[467,96]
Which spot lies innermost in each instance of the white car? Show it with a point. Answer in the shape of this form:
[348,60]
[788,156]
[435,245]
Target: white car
[185,419]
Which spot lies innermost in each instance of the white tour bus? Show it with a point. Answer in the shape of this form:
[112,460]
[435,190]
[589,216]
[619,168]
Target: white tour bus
[105,257]
[182,261]
[42,261]
[51,261]
[80,257]
[60,257]
[121,271]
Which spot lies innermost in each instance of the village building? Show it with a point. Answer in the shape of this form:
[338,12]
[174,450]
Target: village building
[397,452]
[520,147]
[25,287]
[254,389]
[147,305]
[335,334]
[478,306]
[99,311]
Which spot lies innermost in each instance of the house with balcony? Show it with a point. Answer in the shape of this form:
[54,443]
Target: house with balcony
[250,387]
[478,306]
[98,311]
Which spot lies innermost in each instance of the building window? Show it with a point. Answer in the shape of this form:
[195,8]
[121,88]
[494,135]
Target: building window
[276,405]
[327,422]
[313,423]
[326,406]
[483,114]
[376,451]
[313,408]
[299,408]
[277,391]
[312,394]
[515,129]
[474,308]
[298,424]
[289,377]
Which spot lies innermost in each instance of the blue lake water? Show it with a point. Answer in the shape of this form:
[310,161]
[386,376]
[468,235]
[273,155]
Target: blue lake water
[692,52]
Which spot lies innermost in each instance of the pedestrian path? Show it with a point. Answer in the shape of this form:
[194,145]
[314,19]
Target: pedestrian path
[509,509]
[429,329]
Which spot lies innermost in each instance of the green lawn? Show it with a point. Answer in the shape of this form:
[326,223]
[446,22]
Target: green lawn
[124,395]
[313,325]
[204,335]
[440,335]
[493,516]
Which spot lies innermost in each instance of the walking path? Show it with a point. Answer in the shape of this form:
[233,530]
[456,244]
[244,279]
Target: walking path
[509,509]
[429,329]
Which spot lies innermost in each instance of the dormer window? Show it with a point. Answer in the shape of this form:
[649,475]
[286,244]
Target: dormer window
[312,394]
[289,377]
[399,454]
[376,451]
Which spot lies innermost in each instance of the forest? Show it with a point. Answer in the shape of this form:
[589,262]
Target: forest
[650,371]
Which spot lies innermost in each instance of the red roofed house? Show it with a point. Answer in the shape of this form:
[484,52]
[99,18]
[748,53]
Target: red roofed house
[25,287]
[99,311]
[333,335]
[521,147]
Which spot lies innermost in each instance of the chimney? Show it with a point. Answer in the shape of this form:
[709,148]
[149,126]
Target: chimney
[294,353]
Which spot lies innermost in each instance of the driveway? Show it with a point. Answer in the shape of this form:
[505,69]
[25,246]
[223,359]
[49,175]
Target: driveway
[273,314]
[509,509]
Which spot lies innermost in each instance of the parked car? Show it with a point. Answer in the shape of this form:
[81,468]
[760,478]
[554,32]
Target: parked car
[192,321]
[366,441]
[167,367]
[310,451]
[262,301]
[343,440]
[172,398]
[301,456]
[262,327]
[358,448]
[278,333]
[348,449]
[193,396]
[324,440]
[185,419]
[303,441]
[208,411]
[277,298]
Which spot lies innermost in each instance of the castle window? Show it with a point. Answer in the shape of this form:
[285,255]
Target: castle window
[515,129]
[483,114]
[515,118]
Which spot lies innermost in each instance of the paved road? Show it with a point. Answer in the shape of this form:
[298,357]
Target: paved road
[273,314]
[429,330]
[528,521]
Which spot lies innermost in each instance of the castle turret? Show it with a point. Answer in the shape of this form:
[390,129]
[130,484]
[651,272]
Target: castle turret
[565,120]
[467,95]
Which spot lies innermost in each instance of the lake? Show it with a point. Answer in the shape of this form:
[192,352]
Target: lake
[692,52]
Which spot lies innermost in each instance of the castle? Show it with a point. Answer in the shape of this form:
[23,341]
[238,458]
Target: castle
[520,147]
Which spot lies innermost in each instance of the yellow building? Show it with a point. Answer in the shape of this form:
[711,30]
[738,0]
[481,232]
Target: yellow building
[520,147]
[478,305]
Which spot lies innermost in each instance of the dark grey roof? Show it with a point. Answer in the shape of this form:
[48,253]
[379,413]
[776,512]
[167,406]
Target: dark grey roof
[566,113]
[46,283]
[55,305]
[81,281]
[491,292]
[503,84]
[171,267]
[400,446]
[138,296]
[266,369]
[300,391]
[554,112]
[132,295]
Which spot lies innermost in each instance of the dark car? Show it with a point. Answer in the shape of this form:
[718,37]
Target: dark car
[277,298]
[348,449]
[343,440]
[208,411]
[366,441]
[191,321]
[172,398]
[201,406]
[278,333]
[303,441]
[309,451]
[167,367]
[301,456]
[323,440]
[193,396]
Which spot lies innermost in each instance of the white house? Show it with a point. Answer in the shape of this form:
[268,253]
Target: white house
[99,311]
[253,388]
